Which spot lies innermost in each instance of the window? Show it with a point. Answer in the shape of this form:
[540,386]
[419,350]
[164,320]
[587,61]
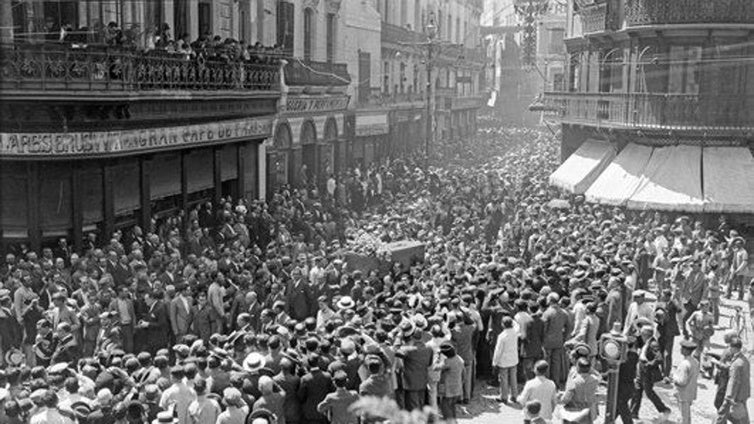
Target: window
[404,13]
[449,34]
[458,30]
[417,16]
[308,33]
[331,37]
[402,84]
[205,18]
[365,72]
[556,41]
[386,77]
[684,69]
[285,26]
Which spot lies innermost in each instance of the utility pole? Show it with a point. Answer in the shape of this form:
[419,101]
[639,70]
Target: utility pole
[431,31]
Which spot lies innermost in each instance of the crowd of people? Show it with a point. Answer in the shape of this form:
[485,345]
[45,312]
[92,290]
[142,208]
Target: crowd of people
[249,312]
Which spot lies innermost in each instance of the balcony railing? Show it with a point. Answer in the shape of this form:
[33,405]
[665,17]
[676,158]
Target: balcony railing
[397,34]
[387,99]
[593,18]
[301,72]
[60,67]
[652,110]
[654,12]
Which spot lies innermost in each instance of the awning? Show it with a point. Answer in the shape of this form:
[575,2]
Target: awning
[728,180]
[621,177]
[672,181]
[579,171]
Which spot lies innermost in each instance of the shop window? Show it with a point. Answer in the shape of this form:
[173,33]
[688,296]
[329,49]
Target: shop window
[13,203]
[165,176]
[285,16]
[205,17]
[126,187]
[91,189]
[200,165]
[229,162]
[55,197]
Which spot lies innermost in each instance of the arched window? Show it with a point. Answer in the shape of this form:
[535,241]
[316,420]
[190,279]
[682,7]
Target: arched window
[308,33]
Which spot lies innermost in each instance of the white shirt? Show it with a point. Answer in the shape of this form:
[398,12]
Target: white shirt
[506,349]
[542,389]
[49,416]
[180,395]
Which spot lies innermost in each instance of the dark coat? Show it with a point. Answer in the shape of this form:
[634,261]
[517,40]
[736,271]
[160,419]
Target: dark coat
[416,362]
[314,388]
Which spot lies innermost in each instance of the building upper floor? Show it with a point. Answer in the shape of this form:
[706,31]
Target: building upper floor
[596,17]
[454,21]
[163,46]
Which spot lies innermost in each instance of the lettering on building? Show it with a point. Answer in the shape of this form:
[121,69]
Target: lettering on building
[131,141]
[299,104]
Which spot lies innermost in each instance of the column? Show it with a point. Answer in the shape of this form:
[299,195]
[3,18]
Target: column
[35,234]
[193,19]
[217,174]
[258,155]
[145,216]
[242,163]
[108,200]
[77,206]
[184,182]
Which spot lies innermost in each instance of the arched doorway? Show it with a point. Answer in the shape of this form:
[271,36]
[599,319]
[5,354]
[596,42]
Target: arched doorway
[330,152]
[279,159]
[308,154]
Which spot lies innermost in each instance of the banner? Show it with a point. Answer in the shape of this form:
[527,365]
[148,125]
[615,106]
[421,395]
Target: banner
[102,143]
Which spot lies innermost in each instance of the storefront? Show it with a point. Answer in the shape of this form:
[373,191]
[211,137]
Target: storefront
[370,141]
[68,184]
[407,129]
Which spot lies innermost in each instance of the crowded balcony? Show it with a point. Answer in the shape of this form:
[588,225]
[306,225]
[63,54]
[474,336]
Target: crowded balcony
[57,66]
[661,111]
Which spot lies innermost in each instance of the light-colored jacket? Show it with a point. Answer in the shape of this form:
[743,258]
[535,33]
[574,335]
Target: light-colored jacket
[506,349]
[685,379]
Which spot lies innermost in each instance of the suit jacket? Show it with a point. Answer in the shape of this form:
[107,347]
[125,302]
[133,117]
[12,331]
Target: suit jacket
[159,326]
[557,325]
[739,389]
[416,363]
[180,316]
[129,305]
[290,384]
[202,322]
[314,388]
[336,407]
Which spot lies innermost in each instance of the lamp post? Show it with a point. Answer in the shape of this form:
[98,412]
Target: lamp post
[613,347]
[431,32]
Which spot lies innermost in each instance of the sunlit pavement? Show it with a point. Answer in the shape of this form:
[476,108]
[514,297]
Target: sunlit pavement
[485,409]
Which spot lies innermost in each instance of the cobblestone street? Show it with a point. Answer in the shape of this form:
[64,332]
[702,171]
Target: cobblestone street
[485,410]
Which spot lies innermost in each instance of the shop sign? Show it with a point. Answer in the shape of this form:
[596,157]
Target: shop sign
[131,141]
[367,125]
[315,104]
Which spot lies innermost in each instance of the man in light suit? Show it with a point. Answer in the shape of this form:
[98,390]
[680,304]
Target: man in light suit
[685,380]
[181,313]
[738,390]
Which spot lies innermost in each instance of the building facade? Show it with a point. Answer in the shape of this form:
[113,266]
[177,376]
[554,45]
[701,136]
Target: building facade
[663,92]
[515,82]
[102,130]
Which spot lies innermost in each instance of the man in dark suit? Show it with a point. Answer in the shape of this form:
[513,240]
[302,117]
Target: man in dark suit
[155,325]
[556,331]
[124,314]
[67,349]
[417,358]
[738,390]
[315,386]
[287,380]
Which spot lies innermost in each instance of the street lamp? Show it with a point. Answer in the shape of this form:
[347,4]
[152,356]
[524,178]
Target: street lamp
[431,32]
[613,347]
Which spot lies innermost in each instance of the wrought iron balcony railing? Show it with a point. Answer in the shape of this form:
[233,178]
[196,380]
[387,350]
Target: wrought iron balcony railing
[60,67]
[397,34]
[652,110]
[307,72]
[654,12]
[387,99]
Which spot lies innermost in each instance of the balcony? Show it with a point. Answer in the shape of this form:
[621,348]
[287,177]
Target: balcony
[395,34]
[307,72]
[686,112]
[593,18]
[390,99]
[55,67]
[654,12]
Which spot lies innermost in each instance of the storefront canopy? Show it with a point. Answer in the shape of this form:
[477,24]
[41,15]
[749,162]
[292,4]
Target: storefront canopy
[672,181]
[579,171]
[620,179]
[728,180]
